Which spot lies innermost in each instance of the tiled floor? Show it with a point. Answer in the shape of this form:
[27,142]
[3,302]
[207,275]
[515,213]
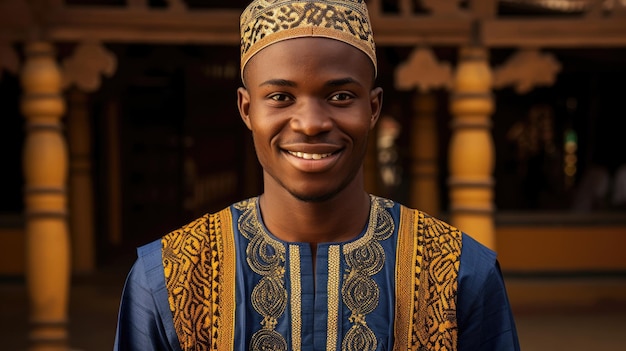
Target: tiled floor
[546,326]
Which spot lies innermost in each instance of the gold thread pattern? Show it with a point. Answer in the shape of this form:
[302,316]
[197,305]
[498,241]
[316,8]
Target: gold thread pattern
[296,293]
[364,258]
[431,292]
[266,257]
[265,22]
[408,250]
[334,271]
[199,266]
[225,296]
[196,281]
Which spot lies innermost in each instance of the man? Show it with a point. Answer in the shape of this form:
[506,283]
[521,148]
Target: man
[313,263]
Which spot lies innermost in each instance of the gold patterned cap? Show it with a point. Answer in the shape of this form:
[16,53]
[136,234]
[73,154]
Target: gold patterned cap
[265,22]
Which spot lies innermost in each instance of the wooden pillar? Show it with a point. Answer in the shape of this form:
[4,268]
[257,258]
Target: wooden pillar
[45,172]
[471,152]
[81,220]
[424,155]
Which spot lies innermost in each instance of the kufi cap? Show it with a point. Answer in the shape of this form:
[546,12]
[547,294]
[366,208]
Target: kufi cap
[265,22]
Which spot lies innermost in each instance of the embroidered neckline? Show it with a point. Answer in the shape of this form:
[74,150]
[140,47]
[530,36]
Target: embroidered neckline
[376,205]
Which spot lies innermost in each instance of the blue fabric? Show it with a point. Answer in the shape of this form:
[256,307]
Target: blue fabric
[484,317]
[144,319]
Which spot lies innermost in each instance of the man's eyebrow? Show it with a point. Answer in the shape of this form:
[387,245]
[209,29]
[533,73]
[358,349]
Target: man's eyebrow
[332,83]
[342,81]
[278,82]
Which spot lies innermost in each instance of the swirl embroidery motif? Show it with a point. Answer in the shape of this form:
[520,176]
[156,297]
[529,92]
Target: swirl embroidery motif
[266,257]
[364,258]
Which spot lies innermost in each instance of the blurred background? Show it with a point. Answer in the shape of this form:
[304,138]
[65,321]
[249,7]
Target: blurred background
[503,117]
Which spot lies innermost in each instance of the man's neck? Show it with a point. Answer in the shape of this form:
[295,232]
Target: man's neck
[338,219]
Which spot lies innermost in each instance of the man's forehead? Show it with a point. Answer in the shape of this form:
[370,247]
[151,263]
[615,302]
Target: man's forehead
[323,55]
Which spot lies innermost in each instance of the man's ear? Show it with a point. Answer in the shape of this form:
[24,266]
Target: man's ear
[376,104]
[243,103]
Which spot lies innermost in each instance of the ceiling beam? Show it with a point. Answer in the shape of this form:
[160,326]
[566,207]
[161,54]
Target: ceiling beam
[148,26]
[560,33]
[210,27]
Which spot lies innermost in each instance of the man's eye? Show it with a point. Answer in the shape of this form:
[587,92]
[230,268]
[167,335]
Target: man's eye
[280,97]
[341,97]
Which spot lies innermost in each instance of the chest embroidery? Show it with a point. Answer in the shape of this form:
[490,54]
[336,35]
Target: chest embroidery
[364,258]
[199,267]
[266,257]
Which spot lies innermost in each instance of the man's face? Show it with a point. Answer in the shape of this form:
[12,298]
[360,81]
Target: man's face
[310,106]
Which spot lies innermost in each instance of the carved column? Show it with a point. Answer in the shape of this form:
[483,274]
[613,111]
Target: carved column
[45,172]
[424,71]
[81,191]
[471,152]
[424,155]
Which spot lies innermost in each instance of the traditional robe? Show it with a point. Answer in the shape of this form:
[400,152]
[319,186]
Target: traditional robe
[406,282]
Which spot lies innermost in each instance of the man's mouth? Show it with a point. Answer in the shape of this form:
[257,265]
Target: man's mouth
[308,156]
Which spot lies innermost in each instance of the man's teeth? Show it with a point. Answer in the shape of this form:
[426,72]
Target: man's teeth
[308,156]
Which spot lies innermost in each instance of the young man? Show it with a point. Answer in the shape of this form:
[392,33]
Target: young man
[313,263]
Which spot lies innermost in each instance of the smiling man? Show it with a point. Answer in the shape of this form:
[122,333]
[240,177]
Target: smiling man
[314,262]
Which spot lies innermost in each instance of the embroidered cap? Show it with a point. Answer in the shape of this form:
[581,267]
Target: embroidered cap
[265,22]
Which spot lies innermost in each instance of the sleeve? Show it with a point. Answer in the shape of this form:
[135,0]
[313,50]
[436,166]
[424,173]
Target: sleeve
[141,324]
[485,319]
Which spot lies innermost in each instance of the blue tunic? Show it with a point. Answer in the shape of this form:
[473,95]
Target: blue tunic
[350,301]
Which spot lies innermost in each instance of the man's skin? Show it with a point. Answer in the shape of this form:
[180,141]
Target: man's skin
[311,105]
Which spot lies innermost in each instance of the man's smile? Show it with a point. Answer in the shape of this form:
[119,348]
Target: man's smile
[309,156]
[307,159]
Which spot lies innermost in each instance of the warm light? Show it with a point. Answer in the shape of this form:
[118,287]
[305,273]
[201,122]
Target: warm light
[569,158]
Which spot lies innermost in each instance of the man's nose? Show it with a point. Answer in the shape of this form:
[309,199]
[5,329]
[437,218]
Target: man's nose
[312,117]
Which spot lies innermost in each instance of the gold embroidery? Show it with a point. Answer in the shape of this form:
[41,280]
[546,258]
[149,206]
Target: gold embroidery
[435,248]
[265,22]
[198,262]
[408,251]
[266,257]
[224,267]
[364,258]
[199,266]
[359,337]
[266,339]
[296,292]
[333,297]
